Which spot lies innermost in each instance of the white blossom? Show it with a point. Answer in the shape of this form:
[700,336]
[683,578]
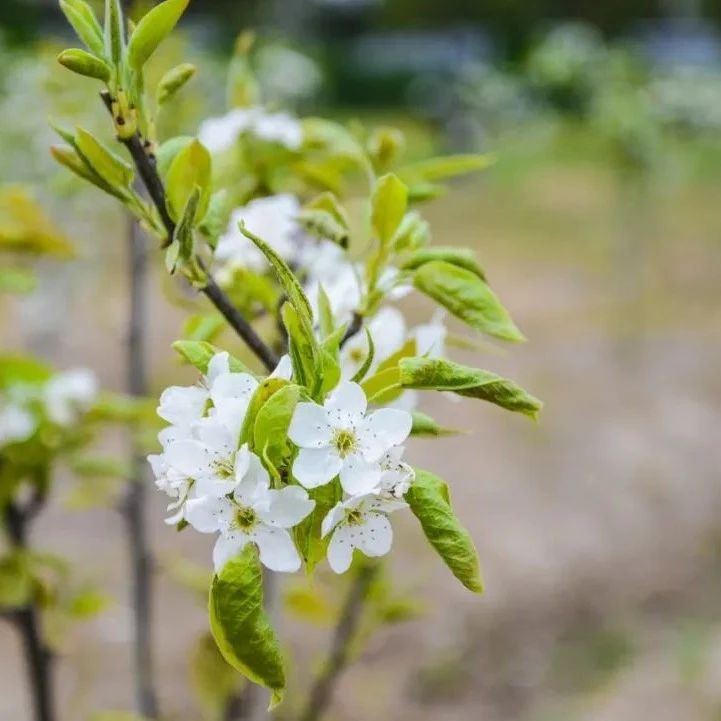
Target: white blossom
[359,522]
[388,331]
[252,512]
[68,394]
[274,219]
[221,133]
[16,424]
[339,439]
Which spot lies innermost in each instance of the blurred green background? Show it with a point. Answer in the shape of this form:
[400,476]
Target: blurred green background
[600,224]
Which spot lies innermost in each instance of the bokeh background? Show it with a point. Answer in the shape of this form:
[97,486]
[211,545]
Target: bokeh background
[599,529]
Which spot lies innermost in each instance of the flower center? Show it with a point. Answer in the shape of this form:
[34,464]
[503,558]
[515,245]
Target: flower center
[357,355]
[354,517]
[245,518]
[345,441]
[224,468]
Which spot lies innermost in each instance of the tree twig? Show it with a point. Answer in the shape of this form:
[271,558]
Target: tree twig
[145,164]
[38,657]
[322,690]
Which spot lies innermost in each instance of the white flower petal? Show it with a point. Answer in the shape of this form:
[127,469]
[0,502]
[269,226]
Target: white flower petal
[348,399]
[332,519]
[182,405]
[358,476]
[175,518]
[218,365]
[171,434]
[228,547]
[190,458]
[284,369]
[314,467]
[375,536]
[340,550]
[207,514]
[383,429]
[277,550]
[288,507]
[309,426]
[232,385]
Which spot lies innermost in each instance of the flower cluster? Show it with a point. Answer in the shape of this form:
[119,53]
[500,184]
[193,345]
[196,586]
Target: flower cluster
[220,486]
[61,400]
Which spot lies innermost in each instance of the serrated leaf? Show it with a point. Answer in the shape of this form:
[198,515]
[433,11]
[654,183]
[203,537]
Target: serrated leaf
[435,169]
[388,206]
[424,425]
[173,81]
[82,19]
[83,63]
[152,29]
[191,167]
[429,500]
[112,169]
[468,297]
[199,353]
[443,375]
[461,257]
[240,626]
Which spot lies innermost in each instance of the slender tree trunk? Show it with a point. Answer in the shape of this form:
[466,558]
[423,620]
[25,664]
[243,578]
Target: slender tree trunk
[141,562]
[38,658]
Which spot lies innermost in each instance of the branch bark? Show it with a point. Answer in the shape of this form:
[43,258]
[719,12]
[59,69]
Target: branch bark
[38,657]
[321,693]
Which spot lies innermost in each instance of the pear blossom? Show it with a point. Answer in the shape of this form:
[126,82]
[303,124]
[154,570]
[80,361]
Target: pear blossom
[339,439]
[221,133]
[274,219]
[397,475]
[359,522]
[68,394]
[431,337]
[16,423]
[388,331]
[252,512]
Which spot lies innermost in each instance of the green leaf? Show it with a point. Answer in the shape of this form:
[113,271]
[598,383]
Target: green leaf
[186,241]
[307,533]
[83,63]
[173,81]
[468,297]
[68,158]
[325,311]
[434,169]
[216,219]
[414,232]
[199,353]
[18,370]
[214,682]
[265,390]
[444,375]
[191,167]
[112,169]
[16,580]
[302,347]
[424,425]
[291,285]
[365,367]
[168,151]
[461,257]
[114,31]
[388,205]
[270,430]
[323,225]
[152,29]
[204,326]
[240,626]
[429,500]
[17,280]
[82,19]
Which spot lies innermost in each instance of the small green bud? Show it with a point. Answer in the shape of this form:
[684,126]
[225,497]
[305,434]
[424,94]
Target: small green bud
[83,63]
[173,81]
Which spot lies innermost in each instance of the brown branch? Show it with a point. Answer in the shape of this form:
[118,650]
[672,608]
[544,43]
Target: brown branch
[322,692]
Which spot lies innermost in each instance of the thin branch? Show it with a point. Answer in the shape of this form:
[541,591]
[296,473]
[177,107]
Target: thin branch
[354,328]
[133,509]
[147,169]
[38,657]
[322,691]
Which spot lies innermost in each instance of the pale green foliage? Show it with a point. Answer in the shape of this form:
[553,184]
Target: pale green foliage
[152,29]
[240,627]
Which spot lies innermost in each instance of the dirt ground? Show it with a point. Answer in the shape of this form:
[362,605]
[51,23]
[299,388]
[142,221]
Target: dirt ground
[598,528]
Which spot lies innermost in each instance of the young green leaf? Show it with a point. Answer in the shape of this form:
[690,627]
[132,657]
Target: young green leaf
[173,81]
[461,257]
[265,390]
[152,29]
[424,425]
[434,169]
[388,205]
[414,232]
[430,502]
[307,533]
[112,169]
[199,353]
[323,225]
[468,297]
[368,362]
[325,311]
[168,151]
[215,222]
[83,63]
[114,31]
[72,161]
[270,430]
[444,375]
[240,626]
[302,346]
[191,167]
[82,19]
